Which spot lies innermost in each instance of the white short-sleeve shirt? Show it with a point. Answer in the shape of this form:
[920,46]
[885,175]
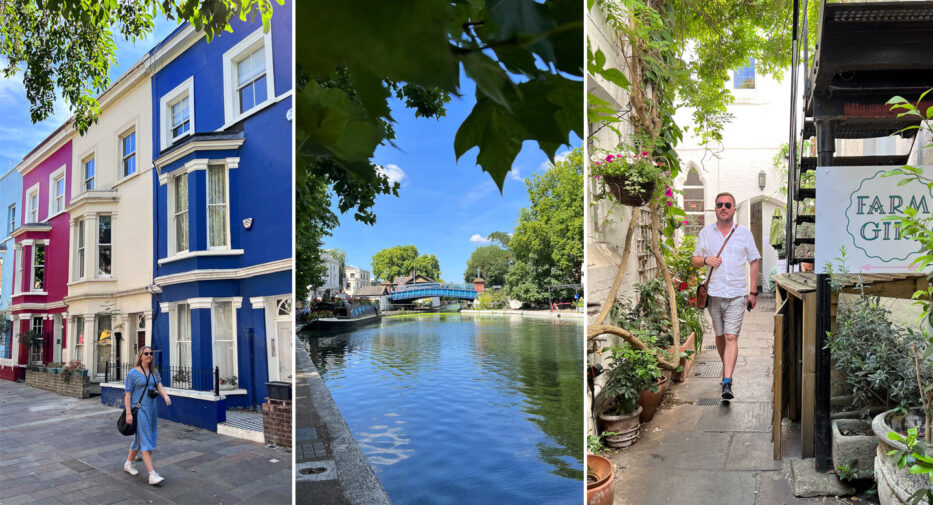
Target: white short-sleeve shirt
[729,280]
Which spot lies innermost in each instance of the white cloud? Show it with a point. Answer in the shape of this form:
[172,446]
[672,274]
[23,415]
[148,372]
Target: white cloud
[479,239]
[393,172]
[515,175]
[484,189]
[561,156]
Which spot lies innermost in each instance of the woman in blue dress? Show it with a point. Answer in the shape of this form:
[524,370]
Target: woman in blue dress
[143,382]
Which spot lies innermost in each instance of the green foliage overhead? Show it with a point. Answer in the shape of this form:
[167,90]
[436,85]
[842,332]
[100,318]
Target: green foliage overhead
[491,261]
[68,44]
[312,203]
[548,242]
[525,58]
[401,260]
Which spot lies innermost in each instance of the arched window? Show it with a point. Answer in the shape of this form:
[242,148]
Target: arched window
[693,202]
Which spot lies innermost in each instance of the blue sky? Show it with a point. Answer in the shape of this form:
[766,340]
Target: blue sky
[442,203]
[18,135]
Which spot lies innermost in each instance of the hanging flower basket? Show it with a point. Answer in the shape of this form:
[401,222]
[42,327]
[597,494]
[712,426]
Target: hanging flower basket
[622,193]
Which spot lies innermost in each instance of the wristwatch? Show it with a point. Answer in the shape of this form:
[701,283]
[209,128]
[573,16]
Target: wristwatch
[753,293]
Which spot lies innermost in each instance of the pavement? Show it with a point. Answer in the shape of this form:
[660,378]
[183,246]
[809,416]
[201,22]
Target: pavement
[698,450]
[330,468]
[56,449]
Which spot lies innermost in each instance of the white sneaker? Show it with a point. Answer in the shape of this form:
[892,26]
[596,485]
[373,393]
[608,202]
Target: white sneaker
[129,468]
[155,478]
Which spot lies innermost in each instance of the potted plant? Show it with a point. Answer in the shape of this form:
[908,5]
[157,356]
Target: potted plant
[228,382]
[74,367]
[650,399]
[875,359]
[631,370]
[630,178]
[32,339]
[54,367]
[903,462]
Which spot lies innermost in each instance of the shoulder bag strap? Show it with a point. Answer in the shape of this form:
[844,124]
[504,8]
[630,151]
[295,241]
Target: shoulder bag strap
[721,249]
[139,403]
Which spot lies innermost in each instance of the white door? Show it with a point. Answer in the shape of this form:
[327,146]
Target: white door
[283,330]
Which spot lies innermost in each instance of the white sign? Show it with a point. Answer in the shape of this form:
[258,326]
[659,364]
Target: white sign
[852,204]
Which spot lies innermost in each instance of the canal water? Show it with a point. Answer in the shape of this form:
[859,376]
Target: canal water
[452,408]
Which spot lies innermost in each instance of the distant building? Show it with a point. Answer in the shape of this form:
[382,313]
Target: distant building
[356,278]
[332,283]
[410,279]
[380,293]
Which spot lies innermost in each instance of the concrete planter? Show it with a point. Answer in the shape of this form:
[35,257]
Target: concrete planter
[895,485]
[860,448]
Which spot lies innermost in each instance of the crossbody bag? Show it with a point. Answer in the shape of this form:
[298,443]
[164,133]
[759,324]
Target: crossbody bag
[130,428]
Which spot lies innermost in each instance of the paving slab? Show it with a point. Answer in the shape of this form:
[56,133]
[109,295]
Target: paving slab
[64,450]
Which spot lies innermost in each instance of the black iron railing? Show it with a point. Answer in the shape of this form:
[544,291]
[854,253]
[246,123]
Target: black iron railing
[178,377]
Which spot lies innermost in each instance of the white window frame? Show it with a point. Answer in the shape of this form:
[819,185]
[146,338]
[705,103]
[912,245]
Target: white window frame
[84,176]
[172,215]
[11,219]
[185,89]
[225,205]
[174,326]
[233,333]
[32,266]
[32,210]
[123,156]
[98,245]
[77,343]
[54,208]
[17,270]
[235,54]
[80,249]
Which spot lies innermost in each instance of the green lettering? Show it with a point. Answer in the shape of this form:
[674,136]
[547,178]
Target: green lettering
[876,207]
[914,204]
[876,229]
[861,204]
[895,208]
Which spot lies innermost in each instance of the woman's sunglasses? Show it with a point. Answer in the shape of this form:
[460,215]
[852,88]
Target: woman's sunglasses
[728,205]
[147,354]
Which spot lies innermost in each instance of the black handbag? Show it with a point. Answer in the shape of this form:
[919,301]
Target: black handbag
[128,429]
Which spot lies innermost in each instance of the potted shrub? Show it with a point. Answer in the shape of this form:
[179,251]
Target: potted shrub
[74,367]
[630,178]
[228,382]
[32,339]
[900,450]
[631,370]
[54,367]
[650,400]
[875,358]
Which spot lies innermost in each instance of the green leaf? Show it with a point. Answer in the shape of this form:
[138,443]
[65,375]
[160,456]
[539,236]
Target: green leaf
[491,80]
[498,135]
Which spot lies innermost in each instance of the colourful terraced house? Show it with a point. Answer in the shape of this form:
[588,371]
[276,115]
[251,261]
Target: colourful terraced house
[222,204]
[11,189]
[40,255]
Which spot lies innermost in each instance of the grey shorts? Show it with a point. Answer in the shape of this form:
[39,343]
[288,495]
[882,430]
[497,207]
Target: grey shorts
[727,314]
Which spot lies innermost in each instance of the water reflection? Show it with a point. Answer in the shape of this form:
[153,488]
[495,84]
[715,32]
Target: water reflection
[459,409]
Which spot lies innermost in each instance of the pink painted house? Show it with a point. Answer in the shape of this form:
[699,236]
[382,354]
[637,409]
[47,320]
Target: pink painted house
[40,264]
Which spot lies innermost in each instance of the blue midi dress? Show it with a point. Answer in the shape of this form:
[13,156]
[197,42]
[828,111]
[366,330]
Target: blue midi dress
[148,415]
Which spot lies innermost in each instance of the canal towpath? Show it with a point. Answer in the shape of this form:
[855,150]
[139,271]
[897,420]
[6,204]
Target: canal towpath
[329,465]
[697,450]
[57,449]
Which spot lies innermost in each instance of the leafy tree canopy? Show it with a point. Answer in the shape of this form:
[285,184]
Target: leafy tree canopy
[491,261]
[401,260]
[69,44]
[500,237]
[548,241]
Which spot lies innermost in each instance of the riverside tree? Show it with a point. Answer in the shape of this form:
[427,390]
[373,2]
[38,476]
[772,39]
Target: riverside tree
[401,260]
[492,263]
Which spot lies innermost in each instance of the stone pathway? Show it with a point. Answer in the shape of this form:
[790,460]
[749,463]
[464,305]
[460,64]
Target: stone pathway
[55,449]
[329,466]
[697,450]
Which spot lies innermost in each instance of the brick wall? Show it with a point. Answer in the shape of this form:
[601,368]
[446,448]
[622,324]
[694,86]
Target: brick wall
[277,422]
[77,386]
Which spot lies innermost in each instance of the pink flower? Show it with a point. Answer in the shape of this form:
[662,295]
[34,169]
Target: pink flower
[599,177]
[610,157]
[644,153]
[670,203]
[686,222]
[596,163]
[669,193]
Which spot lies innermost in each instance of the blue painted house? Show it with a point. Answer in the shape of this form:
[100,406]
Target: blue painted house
[222,153]
[11,192]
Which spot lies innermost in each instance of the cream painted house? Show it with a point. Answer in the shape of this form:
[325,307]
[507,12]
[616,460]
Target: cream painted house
[110,259]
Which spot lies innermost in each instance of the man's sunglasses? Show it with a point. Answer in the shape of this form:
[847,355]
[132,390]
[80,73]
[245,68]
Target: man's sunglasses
[728,205]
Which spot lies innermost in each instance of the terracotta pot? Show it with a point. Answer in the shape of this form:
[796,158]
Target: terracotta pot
[616,185]
[686,363]
[600,480]
[650,401]
[625,425]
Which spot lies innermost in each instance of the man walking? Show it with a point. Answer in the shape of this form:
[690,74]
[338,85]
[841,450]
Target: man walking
[728,283]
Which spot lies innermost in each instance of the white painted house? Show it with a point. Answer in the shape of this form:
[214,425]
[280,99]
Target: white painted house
[356,278]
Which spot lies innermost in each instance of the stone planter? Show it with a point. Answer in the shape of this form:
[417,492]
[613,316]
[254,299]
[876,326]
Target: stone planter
[860,448]
[896,485]
[600,481]
[686,363]
[625,425]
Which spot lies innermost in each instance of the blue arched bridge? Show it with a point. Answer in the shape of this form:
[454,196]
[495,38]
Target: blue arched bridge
[428,290]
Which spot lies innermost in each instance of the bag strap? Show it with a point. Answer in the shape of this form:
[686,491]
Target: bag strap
[141,393]
[721,249]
